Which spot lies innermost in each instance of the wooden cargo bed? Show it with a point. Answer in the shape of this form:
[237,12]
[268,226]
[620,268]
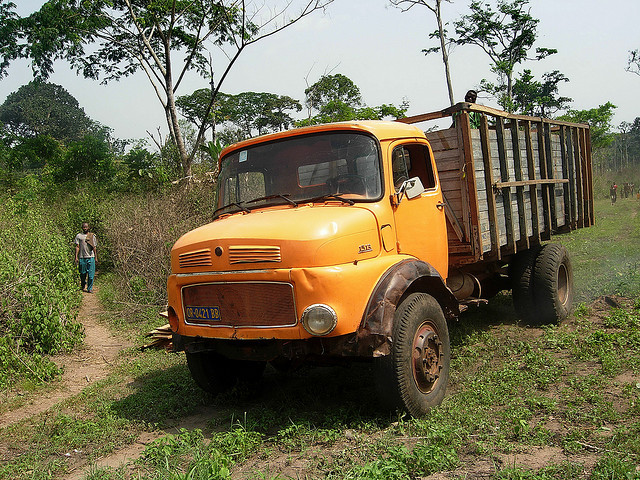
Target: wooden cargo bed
[511,183]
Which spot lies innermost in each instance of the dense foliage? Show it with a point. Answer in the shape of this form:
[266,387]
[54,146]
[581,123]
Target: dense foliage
[168,40]
[39,291]
[336,98]
[45,109]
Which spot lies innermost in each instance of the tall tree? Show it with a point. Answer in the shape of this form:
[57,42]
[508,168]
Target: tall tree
[337,98]
[440,34]
[9,35]
[41,108]
[506,35]
[195,108]
[111,39]
[539,98]
[332,89]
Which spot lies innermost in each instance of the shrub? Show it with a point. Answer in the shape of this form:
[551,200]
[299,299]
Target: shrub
[140,231]
[39,292]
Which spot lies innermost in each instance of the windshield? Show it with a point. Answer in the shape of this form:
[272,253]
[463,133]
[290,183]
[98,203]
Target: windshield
[343,165]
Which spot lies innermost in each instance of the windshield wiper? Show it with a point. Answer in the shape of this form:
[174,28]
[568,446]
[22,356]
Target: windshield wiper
[283,196]
[332,196]
[233,204]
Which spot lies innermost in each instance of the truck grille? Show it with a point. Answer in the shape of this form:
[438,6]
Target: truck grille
[199,258]
[253,254]
[244,304]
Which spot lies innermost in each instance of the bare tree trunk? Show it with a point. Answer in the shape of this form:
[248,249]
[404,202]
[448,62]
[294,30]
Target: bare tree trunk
[185,158]
[445,54]
[510,92]
[172,113]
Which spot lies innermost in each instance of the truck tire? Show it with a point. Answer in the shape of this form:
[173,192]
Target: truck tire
[415,374]
[553,285]
[215,374]
[521,275]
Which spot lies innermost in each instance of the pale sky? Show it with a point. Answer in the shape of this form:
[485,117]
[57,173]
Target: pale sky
[379,48]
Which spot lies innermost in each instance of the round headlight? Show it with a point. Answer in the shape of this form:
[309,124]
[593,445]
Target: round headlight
[319,319]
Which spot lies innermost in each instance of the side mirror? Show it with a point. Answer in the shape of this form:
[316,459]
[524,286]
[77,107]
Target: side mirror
[411,188]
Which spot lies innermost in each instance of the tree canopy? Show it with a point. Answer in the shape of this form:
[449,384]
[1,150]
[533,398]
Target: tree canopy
[249,113]
[111,39]
[332,90]
[599,119]
[41,108]
[506,35]
[9,35]
[539,98]
[262,112]
[337,98]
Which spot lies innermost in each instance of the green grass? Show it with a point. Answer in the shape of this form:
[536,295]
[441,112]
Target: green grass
[606,257]
[573,388]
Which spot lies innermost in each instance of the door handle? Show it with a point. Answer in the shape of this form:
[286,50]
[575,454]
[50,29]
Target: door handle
[440,205]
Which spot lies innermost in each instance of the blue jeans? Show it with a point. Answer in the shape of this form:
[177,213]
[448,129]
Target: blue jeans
[87,269]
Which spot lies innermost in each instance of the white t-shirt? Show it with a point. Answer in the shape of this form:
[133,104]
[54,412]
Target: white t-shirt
[85,251]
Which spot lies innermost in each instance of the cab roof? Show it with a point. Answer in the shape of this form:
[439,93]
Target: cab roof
[382,130]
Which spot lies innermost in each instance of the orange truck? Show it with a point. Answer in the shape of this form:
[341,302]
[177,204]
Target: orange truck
[360,241]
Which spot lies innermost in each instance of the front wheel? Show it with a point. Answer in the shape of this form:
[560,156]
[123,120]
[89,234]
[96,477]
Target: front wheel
[415,374]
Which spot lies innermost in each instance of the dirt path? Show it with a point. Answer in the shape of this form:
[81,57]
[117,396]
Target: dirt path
[131,452]
[81,368]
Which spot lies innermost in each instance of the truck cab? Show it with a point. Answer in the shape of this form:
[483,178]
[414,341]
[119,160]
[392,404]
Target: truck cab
[319,234]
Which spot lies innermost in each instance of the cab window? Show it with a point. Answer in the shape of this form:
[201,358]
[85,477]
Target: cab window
[412,160]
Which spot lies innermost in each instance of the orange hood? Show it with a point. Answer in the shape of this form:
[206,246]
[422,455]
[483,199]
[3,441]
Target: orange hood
[281,237]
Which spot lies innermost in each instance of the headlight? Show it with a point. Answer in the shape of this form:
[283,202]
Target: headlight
[319,319]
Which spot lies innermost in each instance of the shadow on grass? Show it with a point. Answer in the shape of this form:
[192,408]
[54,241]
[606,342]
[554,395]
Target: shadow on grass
[479,319]
[318,397]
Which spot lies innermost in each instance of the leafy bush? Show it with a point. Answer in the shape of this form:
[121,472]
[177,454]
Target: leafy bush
[38,286]
[147,171]
[90,158]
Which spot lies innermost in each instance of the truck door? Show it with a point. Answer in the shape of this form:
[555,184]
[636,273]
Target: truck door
[421,230]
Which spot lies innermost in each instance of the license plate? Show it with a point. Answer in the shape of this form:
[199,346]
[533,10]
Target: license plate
[202,314]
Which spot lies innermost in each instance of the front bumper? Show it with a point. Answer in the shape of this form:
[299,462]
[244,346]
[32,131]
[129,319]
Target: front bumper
[268,304]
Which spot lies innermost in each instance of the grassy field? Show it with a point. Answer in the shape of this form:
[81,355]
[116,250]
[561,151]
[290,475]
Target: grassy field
[559,402]
[606,257]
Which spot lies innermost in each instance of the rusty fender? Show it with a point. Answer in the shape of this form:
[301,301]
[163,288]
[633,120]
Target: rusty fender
[376,329]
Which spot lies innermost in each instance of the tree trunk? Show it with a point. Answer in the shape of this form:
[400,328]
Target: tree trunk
[185,159]
[510,92]
[172,114]
[445,54]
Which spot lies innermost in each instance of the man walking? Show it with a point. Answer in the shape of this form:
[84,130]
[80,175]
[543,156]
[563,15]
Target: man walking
[86,257]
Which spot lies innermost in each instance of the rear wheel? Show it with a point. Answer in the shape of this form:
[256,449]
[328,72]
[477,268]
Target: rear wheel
[521,275]
[414,375]
[553,284]
[215,374]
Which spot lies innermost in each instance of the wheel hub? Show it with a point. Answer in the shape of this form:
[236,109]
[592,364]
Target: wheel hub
[563,284]
[427,358]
